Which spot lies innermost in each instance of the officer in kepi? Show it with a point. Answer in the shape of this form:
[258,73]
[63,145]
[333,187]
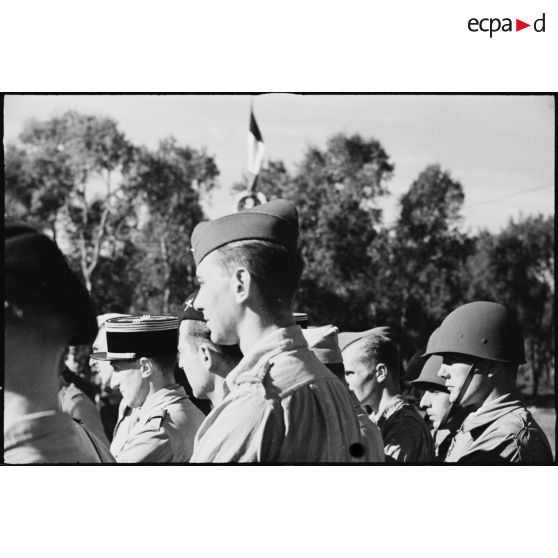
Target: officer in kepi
[481,345]
[156,422]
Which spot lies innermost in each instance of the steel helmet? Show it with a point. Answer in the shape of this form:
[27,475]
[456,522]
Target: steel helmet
[429,374]
[480,329]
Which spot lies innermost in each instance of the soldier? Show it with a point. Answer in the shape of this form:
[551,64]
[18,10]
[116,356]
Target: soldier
[435,402]
[482,346]
[80,407]
[46,308]
[157,422]
[283,404]
[324,344]
[205,364]
[372,370]
[109,399]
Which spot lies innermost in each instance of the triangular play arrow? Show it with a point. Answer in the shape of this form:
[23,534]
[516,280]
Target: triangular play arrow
[519,25]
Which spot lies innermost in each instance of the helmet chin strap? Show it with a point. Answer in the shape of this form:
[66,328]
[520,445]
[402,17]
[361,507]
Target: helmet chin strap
[455,407]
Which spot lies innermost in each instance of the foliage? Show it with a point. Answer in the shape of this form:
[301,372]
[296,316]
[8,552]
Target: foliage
[516,268]
[166,184]
[334,191]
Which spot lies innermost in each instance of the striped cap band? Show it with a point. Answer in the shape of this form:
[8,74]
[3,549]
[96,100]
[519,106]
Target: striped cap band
[145,323]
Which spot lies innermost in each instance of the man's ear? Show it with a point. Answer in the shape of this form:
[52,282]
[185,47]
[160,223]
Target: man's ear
[381,372]
[206,356]
[242,283]
[146,367]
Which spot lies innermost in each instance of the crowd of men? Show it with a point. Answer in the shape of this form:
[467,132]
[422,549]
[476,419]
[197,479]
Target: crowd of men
[275,391]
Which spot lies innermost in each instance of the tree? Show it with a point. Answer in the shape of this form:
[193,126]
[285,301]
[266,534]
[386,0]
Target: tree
[420,263]
[165,185]
[516,268]
[65,175]
[334,190]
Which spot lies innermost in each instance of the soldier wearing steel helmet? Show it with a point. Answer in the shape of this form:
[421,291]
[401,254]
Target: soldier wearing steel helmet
[481,345]
[437,406]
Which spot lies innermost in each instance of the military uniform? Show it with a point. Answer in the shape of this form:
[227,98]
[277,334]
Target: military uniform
[162,430]
[406,435]
[499,429]
[502,430]
[52,437]
[75,403]
[284,405]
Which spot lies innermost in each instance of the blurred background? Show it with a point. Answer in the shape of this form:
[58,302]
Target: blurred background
[410,205]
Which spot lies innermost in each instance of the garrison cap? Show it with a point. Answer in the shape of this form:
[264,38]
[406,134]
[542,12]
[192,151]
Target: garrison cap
[37,274]
[347,338]
[188,310]
[132,337]
[429,374]
[322,341]
[275,221]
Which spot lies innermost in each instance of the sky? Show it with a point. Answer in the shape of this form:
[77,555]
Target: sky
[501,148]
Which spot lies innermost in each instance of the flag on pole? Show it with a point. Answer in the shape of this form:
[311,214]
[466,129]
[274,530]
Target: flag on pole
[256,147]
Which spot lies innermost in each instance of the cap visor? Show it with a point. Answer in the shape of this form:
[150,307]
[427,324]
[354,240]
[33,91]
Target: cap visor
[113,356]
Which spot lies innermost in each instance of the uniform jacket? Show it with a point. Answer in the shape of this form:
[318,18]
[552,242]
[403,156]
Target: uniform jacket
[284,405]
[74,402]
[162,430]
[52,437]
[501,431]
[406,435]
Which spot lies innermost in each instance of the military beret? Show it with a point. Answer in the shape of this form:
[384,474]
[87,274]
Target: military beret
[347,338]
[37,274]
[188,310]
[275,221]
[429,373]
[132,337]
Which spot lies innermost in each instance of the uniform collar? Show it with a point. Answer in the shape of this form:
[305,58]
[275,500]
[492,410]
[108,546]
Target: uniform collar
[385,413]
[489,412]
[256,363]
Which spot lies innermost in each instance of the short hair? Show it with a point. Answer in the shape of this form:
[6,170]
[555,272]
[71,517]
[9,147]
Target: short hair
[199,333]
[378,347]
[165,362]
[275,269]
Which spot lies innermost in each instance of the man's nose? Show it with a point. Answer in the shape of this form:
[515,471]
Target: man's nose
[443,372]
[196,303]
[425,401]
[114,381]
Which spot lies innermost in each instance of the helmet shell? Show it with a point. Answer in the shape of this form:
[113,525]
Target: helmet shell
[429,373]
[480,329]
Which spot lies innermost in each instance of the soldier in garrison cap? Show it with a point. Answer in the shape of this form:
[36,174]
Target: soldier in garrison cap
[46,308]
[436,404]
[156,421]
[481,345]
[372,365]
[283,404]
[205,363]
[324,344]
